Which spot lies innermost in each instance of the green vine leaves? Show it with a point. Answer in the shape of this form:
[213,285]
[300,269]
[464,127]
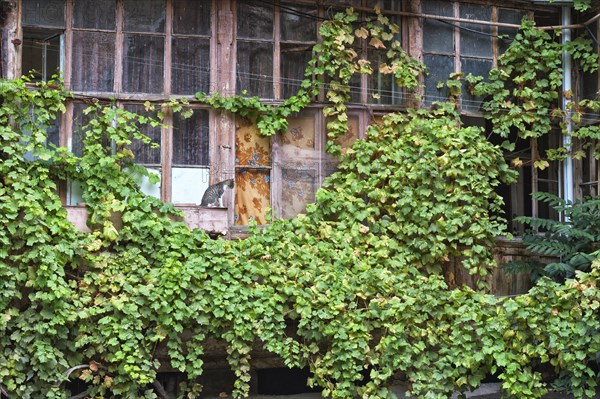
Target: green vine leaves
[524,88]
[351,288]
[522,94]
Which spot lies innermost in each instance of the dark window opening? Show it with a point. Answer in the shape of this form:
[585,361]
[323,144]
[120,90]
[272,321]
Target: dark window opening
[41,53]
[283,381]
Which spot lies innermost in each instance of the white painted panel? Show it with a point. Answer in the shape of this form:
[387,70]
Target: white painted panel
[147,187]
[189,185]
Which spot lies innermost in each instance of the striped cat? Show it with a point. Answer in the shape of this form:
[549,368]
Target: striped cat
[213,196]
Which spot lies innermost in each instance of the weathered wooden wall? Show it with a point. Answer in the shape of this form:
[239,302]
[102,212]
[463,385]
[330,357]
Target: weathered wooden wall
[501,282]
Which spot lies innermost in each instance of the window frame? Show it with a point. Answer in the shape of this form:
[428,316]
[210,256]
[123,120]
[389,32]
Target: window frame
[456,28]
[122,98]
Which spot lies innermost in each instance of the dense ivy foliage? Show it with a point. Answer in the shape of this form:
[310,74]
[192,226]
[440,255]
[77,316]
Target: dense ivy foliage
[522,95]
[571,243]
[353,278]
[350,289]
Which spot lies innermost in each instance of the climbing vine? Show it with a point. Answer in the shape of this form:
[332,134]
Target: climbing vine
[522,94]
[351,288]
[332,66]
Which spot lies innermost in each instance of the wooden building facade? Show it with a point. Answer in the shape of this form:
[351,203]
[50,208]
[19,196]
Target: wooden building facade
[133,51]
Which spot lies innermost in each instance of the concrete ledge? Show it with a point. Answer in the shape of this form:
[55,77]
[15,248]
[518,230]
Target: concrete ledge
[211,220]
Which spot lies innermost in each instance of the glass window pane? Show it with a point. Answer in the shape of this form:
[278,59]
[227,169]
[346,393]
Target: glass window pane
[53,131]
[438,36]
[383,88]
[253,174]
[355,88]
[296,24]
[252,149]
[477,67]
[145,16]
[147,187]
[93,61]
[298,148]
[144,153]
[589,86]
[345,142]
[143,67]
[188,185]
[506,35]
[548,177]
[475,39]
[386,4]
[191,17]
[299,166]
[255,69]
[298,190]
[80,120]
[190,139]
[440,67]
[190,69]
[49,13]
[254,20]
[294,58]
[94,14]
[346,3]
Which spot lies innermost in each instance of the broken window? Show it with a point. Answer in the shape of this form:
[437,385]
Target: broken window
[283,173]
[43,27]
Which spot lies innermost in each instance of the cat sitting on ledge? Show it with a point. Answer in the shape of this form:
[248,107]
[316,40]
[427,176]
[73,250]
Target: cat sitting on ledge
[213,196]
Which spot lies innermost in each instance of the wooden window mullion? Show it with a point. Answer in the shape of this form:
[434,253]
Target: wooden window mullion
[494,31]
[364,79]
[457,67]
[119,48]
[167,130]
[168,45]
[166,149]
[534,177]
[276,52]
[68,56]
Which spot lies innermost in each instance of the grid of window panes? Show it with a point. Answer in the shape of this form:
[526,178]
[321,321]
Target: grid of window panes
[121,48]
[469,48]
[271,65]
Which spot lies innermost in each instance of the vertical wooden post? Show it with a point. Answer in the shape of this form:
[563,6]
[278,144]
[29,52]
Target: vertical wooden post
[68,56]
[166,145]
[224,162]
[11,32]
[166,139]
[534,177]
[412,34]
[119,48]
[277,91]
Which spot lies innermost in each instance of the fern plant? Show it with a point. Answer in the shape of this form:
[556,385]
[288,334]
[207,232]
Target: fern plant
[573,242]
